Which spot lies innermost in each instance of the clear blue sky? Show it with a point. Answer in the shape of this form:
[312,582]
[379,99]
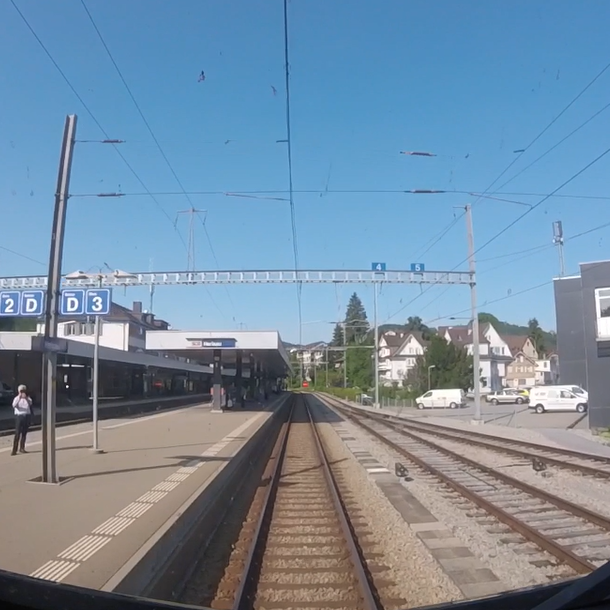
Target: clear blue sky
[470,81]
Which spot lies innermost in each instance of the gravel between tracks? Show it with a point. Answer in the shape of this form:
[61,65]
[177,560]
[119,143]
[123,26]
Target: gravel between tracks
[589,492]
[514,569]
[418,577]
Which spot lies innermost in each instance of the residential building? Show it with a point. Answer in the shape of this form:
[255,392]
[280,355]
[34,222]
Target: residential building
[547,370]
[494,353]
[582,307]
[123,328]
[310,356]
[521,372]
[398,352]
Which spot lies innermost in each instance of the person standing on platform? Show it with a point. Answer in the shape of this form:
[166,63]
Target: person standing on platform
[22,405]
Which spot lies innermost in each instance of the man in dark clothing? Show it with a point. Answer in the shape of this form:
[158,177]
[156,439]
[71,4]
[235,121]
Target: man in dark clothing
[22,405]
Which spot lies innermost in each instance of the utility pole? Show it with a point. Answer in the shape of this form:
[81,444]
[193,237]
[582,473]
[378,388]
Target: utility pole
[475,318]
[96,379]
[192,212]
[49,356]
[326,366]
[344,355]
[558,241]
[152,287]
[375,287]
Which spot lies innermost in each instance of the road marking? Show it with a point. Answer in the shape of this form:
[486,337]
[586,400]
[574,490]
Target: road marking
[127,423]
[84,548]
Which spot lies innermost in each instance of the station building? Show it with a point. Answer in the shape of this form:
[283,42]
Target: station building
[582,306]
[131,365]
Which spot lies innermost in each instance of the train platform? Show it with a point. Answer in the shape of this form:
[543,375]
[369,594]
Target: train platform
[109,505]
[574,440]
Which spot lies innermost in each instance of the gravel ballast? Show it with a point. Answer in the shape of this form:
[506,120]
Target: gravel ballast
[419,579]
[508,561]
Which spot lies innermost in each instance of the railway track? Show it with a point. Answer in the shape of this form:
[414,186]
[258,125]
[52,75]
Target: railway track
[304,543]
[584,463]
[569,534]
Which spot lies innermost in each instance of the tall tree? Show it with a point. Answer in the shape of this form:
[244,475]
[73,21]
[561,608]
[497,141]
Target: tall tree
[449,366]
[416,323]
[358,357]
[535,333]
[356,322]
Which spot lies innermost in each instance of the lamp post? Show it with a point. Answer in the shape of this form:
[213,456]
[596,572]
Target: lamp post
[432,366]
[81,275]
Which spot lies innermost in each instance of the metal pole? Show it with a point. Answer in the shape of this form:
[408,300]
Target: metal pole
[376,349]
[475,318]
[326,367]
[345,355]
[49,358]
[96,377]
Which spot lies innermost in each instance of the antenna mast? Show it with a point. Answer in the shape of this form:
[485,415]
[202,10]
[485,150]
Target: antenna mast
[558,241]
[192,212]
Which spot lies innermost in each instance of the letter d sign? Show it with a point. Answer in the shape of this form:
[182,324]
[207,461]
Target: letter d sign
[72,302]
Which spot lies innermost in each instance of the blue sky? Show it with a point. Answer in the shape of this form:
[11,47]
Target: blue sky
[470,81]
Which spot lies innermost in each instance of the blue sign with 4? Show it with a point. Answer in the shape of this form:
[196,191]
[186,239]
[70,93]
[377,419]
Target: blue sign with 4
[418,267]
[378,266]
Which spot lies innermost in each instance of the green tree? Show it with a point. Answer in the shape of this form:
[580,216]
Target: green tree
[536,334]
[357,334]
[416,323]
[356,322]
[451,367]
[18,324]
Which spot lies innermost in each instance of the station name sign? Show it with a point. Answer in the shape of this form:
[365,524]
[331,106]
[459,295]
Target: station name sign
[212,343]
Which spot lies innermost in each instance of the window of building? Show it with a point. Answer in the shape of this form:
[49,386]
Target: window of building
[602,305]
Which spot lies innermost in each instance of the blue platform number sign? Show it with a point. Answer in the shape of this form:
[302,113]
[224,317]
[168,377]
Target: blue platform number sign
[379,267]
[72,303]
[10,301]
[418,267]
[32,303]
[97,302]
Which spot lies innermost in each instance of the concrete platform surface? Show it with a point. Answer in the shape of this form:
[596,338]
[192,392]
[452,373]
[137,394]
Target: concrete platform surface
[575,440]
[83,531]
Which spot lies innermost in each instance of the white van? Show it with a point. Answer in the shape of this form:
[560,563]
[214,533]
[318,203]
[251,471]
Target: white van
[438,399]
[575,389]
[556,398]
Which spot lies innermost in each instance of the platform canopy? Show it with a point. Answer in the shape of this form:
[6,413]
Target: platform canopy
[264,347]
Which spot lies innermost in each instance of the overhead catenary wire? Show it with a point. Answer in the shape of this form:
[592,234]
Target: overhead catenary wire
[252,194]
[546,128]
[94,118]
[524,254]
[156,141]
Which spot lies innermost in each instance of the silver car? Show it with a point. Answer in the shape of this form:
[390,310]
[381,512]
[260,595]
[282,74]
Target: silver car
[505,397]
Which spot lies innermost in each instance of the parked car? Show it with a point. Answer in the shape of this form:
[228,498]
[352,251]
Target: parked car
[506,396]
[438,399]
[556,398]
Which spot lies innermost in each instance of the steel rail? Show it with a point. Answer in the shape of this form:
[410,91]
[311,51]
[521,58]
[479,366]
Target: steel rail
[578,564]
[510,441]
[476,438]
[364,581]
[244,595]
